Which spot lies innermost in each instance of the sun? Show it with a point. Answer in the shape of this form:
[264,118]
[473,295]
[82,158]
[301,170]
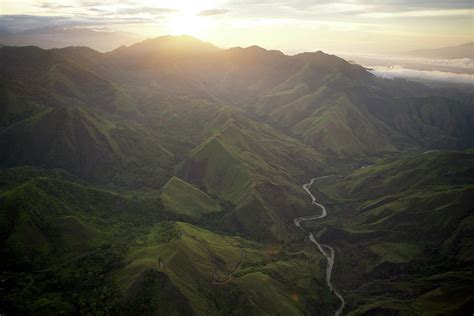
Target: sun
[191,24]
[186,19]
[188,24]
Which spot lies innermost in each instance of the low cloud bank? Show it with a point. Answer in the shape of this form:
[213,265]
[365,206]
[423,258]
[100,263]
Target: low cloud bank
[462,66]
[397,71]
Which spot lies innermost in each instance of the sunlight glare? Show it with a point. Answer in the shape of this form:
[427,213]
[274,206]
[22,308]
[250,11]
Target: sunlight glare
[188,25]
[186,19]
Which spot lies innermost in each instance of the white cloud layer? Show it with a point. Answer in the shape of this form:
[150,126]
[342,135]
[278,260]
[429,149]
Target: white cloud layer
[391,72]
[463,65]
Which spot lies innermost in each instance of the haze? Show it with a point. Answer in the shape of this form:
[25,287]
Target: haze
[288,25]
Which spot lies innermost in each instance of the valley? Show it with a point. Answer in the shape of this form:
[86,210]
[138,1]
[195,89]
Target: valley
[329,256]
[164,178]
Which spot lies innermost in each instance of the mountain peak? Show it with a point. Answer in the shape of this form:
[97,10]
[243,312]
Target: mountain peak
[171,44]
[256,48]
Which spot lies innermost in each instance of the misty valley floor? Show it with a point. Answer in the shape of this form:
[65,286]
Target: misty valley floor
[165,177]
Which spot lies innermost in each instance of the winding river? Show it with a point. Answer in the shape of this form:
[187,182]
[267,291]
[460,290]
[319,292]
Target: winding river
[326,250]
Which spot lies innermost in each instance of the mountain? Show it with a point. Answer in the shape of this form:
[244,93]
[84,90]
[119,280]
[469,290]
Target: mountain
[58,37]
[165,177]
[270,84]
[249,166]
[451,52]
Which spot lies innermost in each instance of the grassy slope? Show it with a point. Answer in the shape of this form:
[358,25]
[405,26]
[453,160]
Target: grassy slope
[254,168]
[404,224]
[323,115]
[181,197]
[191,255]
[87,144]
[97,248]
[49,210]
[347,113]
[62,236]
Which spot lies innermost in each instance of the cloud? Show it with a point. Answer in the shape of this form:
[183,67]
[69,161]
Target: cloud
[145,10]
[372,11]
[463,65]
[429,75]
[16,23]
[55,6]
[368,10]
[23,22]
[213,12]
[376,5]
[419,13]
[410,5]
[94,7]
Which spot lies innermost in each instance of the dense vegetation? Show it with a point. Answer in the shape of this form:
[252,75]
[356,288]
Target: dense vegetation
[164,177]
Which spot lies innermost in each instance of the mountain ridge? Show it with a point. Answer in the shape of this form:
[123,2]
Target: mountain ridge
[164,167]
[452,52]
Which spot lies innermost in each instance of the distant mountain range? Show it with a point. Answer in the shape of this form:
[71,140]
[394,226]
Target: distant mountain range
[451,52]
[164,177]
[58,37]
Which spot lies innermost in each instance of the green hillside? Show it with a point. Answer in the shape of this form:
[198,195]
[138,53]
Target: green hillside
[85,144]
[248,166]
[224,273]
[180,197]
[165,178]
[404,224]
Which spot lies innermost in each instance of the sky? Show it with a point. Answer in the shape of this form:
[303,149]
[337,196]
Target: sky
[371,26]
